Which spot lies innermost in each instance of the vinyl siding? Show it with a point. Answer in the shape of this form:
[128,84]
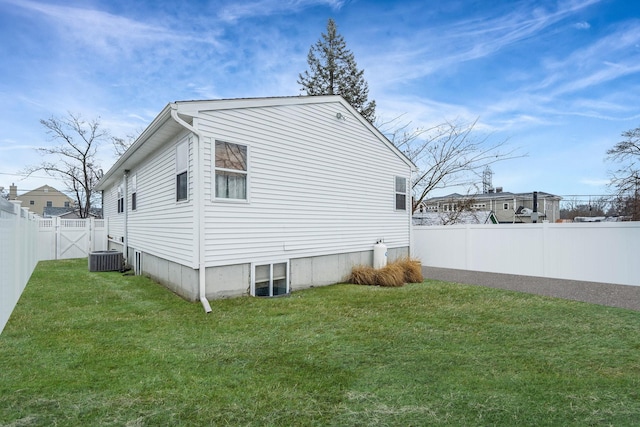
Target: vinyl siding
[160,226]
[317,185]
[115,221]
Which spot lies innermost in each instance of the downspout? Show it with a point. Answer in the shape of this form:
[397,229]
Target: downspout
[410,191]
[125,208]
[199,208]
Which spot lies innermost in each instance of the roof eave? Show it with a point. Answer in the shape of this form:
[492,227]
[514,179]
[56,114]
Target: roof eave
[122,163]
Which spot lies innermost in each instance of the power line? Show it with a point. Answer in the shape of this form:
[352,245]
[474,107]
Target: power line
[32,176]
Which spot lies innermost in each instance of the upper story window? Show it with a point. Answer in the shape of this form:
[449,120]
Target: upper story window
[134,192]
[49,204]
[66,204]
[505,206]
[182,166]
[231,171]
[401,193]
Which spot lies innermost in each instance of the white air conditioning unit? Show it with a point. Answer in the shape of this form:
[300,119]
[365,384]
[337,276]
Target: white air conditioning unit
[105,261]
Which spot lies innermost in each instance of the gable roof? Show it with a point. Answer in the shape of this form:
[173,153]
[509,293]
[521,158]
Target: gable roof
[40,191]
[52,211]
[166,126]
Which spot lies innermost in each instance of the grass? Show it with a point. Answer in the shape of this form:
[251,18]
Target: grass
[104,349]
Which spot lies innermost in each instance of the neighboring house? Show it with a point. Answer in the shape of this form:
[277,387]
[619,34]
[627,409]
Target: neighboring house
[507,207]
[69,213]
[256,196]
[456,217]
[40,198]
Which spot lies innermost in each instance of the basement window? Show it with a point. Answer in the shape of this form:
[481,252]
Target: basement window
[137,263]
[270,280]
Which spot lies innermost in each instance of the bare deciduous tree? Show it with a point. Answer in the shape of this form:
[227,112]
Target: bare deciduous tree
[120,145]
[447,155]
[75,156]
[573,207]
[626,179]
[459,208]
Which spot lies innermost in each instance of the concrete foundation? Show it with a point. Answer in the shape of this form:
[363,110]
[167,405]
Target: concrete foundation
[180,279]
[228,281]
[235,280]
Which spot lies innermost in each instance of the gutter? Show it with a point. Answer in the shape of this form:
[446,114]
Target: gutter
[199,207]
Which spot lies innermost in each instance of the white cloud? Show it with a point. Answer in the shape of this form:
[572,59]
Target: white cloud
[582,25]
[106,33]
[595,182]
[246,9]
[450,44]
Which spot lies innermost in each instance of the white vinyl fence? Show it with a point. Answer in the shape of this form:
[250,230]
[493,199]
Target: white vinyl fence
[26,239]
[606,252]
[18,254]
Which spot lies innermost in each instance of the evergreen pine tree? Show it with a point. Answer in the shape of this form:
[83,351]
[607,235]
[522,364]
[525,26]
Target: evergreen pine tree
[333,71]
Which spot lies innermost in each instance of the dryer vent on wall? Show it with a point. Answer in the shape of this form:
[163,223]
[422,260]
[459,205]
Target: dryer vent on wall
[105,261]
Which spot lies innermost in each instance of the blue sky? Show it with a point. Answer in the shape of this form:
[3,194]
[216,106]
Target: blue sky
[560,80]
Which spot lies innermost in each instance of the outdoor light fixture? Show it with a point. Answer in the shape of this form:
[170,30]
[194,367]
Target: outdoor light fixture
[339,116]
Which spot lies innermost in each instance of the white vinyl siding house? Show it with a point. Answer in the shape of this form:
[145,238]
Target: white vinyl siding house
[275,185]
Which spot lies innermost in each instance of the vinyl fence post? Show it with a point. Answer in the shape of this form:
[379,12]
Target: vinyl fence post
[91,226]
[56,240]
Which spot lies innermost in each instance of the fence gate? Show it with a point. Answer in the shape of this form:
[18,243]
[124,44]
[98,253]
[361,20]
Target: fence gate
[73,239]
[70,238]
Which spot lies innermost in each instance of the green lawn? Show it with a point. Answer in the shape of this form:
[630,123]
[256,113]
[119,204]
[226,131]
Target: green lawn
[99,349]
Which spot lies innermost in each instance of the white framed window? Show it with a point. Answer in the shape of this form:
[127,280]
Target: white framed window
[401,193]
[270,279]
[134,193]
[505,206]
[120,199]
[182,175]
[231,171]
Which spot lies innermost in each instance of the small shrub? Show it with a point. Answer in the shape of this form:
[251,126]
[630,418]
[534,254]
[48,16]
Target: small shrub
[412,270]
[395,274]
[391,275]
[363,275]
